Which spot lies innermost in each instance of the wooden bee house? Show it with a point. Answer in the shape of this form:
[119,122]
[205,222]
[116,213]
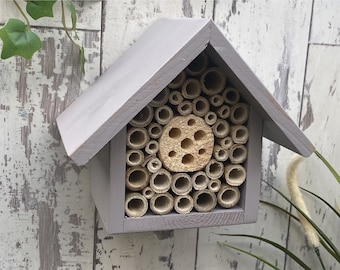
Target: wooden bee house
[172,132]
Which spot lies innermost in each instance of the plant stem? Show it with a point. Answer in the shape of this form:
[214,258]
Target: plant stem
[65,27]
[28,25]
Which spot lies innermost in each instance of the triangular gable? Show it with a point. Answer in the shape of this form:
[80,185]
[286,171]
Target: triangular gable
[145,69]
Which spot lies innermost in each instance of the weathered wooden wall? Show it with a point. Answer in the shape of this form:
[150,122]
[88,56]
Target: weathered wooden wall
[47,217]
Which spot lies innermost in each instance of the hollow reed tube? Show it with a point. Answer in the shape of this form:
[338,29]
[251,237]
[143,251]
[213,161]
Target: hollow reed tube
[181,183]
[162,203]
[231,96]
[191,88]
[200,106]
[161,99]
[210,118]
[175,98]
[216,100]
[183,204]
[143,118]
[137,138]
[214,169]
[220,153]
[164,114]
[226,142]
[214,185]
[148,193]
[137,178]
[238,153]
[239,113]
[160,181]
[134,157]
[213,81]
[235,174]
[154,165]
[178,81]
[136,205]
[198,65]
[204,200]
[221,128]
[184,108]
[223,112]
[152,147]
[199,180]
[228,196]
[155,130]
[239,134]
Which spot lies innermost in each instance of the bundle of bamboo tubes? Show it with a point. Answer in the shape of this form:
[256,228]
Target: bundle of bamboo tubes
[187,148]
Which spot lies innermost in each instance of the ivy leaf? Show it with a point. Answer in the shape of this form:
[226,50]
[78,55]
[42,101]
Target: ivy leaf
[18,40]
[72,10]
[41,8]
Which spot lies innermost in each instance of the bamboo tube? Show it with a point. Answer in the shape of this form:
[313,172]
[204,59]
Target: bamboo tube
[214,169]
[213,81]
[161,99]
[239,113]
[228,196]
[216,100]
[154,165]
[181,183]
[191,88]
[223,112]
[199,180]
[143,118]
[198,65]
[204,200]
[231,96]
[214,185]
[183,204]
[184,108]
[239,134]
[134,157]
[136,205]
[226,142]
[200,106]
[235,174]
[221,128]
[162,204]
[164,114]
[137,178]
[154,130]
[148,193]
[175,98]
[151,147]
[210,118]
[220,153]
[238,153]
[137,138]
[178,81]
[160,181]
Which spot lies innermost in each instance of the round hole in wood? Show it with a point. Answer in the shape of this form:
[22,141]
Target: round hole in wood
[186,143]
[191,122]
[172,154]
[187,159]
[199,135]
[175,133]
[201,151]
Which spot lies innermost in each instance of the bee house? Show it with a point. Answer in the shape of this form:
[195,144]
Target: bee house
[172,132]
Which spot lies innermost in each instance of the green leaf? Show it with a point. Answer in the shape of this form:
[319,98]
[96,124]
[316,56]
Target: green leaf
[40,8]
[328,165]
[316,227]
[18,40]
[251,254]
[282,248]
[72,10]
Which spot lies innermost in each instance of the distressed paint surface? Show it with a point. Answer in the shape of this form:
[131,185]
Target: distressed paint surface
[47,217]
[46,211]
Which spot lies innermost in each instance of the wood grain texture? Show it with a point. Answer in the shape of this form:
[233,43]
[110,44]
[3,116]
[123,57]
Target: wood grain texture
[47,214]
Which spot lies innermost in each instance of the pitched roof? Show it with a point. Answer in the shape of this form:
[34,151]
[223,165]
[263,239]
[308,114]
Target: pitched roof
[146,68]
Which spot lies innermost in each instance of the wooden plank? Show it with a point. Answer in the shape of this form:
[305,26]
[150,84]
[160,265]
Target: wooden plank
[272,38]
[47,215]
[124,23]
[321,110]
[326,22]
